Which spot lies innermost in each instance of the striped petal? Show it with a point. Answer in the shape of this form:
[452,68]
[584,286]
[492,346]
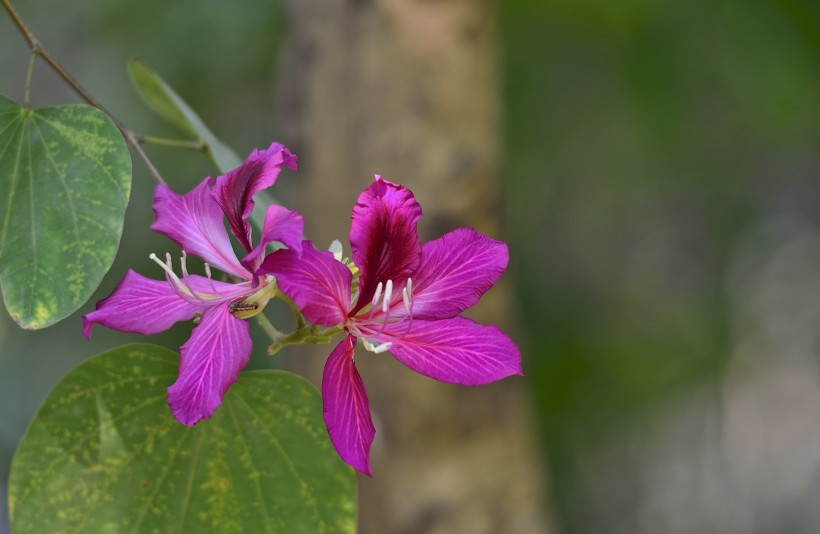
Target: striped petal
[314,280]
[210,362]
[457,350]
[347,410]
[195,222]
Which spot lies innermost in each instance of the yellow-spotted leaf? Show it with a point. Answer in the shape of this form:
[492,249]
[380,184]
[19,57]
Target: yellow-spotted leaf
[104,454]
[65,179]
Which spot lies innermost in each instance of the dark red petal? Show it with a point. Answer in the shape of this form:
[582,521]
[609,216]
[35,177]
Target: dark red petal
[234,191]
[384,237]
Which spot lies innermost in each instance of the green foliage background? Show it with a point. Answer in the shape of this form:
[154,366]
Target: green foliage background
[651,148]
[648,143]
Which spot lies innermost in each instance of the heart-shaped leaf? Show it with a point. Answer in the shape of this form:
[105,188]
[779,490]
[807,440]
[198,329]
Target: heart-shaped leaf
[104,454]
[65,179]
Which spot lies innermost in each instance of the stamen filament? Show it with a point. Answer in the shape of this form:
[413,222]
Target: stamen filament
[210,280]
[176,284]
[183,264]
[405,297]
[388,295]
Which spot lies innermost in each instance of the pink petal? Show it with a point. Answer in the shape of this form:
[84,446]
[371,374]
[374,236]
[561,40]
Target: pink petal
[196,223]
[347,410]
[455,271]
[210,362]
[314,280]
[457,350]
[234,191]
[383,236]
[140,305]
[282,225]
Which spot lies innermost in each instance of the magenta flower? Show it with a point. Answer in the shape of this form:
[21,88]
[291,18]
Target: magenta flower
[408,302]
[220,345]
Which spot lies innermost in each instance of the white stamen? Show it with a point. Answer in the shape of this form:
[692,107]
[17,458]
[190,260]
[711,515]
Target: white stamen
[377,294]
[384,347]
[388,295]
[183,265]
[165,266]
[376,349]
[210,280]
[406,300]
[410,289]
[176,284]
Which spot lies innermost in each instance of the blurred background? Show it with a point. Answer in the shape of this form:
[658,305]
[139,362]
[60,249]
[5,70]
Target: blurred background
[655,167]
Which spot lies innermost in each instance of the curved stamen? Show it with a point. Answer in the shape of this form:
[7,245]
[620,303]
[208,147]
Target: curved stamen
[165,266]
[210,279]
[183,266]
[406,299]
[178,286]
[388,296]
[375,301]
[386,318]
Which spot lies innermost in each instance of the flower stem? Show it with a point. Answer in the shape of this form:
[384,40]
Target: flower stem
[268,327]
[37,49]
[309,335]
[29,75]
[297,313]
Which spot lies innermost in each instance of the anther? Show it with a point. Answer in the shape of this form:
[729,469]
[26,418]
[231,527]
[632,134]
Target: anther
[176,284]
[165,266]
[183,264]
[388,295]
[384,347]
[377,294]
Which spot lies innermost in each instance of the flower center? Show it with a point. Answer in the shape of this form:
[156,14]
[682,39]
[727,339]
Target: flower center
[386,300]
[247,307]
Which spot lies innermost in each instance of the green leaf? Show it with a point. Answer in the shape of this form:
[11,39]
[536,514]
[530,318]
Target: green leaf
[160,97]
[65,179]
[104,454]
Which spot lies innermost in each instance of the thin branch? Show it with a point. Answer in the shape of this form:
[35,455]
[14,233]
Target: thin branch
[268,327]
[37,48]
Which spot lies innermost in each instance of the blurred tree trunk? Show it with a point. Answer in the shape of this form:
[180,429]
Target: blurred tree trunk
[409,89]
